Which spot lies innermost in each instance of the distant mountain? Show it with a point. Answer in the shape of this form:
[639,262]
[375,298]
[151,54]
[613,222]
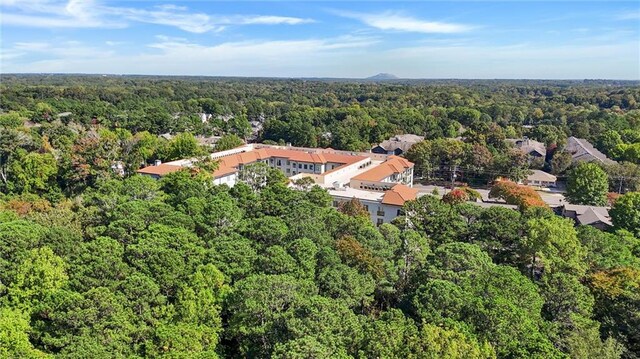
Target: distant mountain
[383,76]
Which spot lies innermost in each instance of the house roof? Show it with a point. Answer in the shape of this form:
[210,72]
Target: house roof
[528,145]
[392,165]
[399,194]
[591,216]
[403,142]
[538,175]
[583,150]
[159,170]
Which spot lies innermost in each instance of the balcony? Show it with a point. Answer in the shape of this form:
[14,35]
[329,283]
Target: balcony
[380,213]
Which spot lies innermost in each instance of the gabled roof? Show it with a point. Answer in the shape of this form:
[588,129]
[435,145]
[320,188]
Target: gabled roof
[583,150]
[399,194]
[538,175]
[403,142]
[159,170]
[392,165]
[527,146]
[591,216]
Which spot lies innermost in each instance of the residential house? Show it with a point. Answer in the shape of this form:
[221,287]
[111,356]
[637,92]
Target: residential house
[397,145]
[532,148]
[539,178]
[586,215]
[583,151]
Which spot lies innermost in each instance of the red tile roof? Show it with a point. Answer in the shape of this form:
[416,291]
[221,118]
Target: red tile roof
[393,164]
[159,170]
[229,164]
[399,194]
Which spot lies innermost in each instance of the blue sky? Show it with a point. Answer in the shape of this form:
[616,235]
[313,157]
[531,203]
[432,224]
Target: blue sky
[418,39]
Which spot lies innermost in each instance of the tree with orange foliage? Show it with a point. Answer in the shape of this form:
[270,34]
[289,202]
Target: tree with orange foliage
[522,196]
[455,196]
[612,197]
[461,195]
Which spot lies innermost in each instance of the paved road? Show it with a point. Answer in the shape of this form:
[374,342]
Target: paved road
[551,198]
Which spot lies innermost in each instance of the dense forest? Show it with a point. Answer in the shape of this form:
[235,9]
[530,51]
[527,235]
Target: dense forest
[99,262]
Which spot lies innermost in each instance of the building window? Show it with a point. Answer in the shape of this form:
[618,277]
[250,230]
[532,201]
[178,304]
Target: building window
[399,212]
[288,163]
[335,203]
[299,165]
[380,211]
[288,170]
[366,207]
[279,163]
[379,221]
[305,166]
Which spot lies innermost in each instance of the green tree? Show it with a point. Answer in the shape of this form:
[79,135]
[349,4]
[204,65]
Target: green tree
[588,185]
[259,306]
[183,146]
[625,213]
[167,254]
[608,141]
[10,141]
[41,275]
[434,218]
[33,172]
[551,245]
[14,335]
[560,162]
[228,142]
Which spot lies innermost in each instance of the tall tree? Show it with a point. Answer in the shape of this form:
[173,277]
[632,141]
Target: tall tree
[587,184]
[625,213]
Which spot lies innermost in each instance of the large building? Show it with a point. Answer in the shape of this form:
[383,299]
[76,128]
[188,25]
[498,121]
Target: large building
[370,177]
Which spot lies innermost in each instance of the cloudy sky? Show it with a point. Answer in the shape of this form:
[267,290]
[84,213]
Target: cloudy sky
[418,39]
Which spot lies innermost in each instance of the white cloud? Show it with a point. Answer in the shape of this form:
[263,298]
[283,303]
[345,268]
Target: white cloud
[65,49]
[90,14]
[10,55]
[272,20]
[308,57]
[629,15]
[114,43]
[171,16]
[394,21]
